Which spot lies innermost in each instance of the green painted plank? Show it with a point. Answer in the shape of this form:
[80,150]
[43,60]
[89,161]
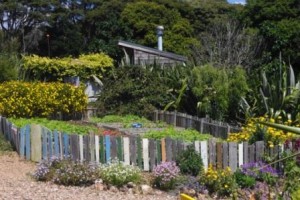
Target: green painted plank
[119,148]
[102,150]
[139,152]
[133,150]
[113,147]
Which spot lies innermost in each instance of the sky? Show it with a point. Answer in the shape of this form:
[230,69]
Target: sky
[237,1]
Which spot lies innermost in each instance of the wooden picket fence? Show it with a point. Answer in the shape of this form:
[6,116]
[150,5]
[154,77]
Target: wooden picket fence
[203,125]
[36,143]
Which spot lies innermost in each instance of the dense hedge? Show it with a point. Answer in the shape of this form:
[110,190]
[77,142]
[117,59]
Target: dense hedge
[22,99]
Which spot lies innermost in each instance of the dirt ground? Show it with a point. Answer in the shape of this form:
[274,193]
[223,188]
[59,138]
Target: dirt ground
[16,183]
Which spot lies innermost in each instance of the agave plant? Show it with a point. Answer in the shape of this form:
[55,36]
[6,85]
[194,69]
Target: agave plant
[281,98]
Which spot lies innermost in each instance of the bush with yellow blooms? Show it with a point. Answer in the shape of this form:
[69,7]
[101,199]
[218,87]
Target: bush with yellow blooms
[252,132]
[219,181]
[23,99]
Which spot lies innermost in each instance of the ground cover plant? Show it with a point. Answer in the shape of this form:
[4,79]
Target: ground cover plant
[126,120]
[4,144]
[63,126]
[188,135]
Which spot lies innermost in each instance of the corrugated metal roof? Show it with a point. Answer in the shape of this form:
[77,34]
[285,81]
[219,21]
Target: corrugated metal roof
[152,51]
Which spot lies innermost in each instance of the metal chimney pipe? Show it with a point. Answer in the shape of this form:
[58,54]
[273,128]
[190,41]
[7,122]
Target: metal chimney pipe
[159,32]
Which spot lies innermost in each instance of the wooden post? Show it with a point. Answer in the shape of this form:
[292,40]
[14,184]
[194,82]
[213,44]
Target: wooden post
[219,155]
[163,150]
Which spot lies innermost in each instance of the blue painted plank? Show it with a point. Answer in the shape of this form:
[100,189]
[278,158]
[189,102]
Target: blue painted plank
[107,148]
[44,144]
[66,144]
[50,143]
[56,145]
[9,131]
[22,142]
[27,142]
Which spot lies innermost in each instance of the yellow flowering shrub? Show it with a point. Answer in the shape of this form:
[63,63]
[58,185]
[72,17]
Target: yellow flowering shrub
[84,66]
[220,181]
[23,99]
[252,131]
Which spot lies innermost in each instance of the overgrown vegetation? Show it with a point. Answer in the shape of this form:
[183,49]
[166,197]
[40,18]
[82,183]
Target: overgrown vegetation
[127,120]
[188,135]
[63,126]
[4,144]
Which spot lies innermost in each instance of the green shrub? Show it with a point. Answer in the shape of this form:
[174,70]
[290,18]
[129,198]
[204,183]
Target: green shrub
[190,162]
[132,90]
[66,172]
[117,174]
[243,180]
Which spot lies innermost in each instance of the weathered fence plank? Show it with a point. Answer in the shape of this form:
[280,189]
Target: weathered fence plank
[113,147]
[146,154]
[163,150]
[169,153]
[107,148]
[126,150]
[197,146]
[204,154]
[241,154]
[60,139]
[233,161]
[22,142]
[92,146]
[97,149]
[212,152]
[50,143]
[36,143]
[251,153]
[27,142]
[152,152]
[225,154]
[81,148]
[158,148]
[259,145]
[44,144]
[219,155]
[66,145]
[102,149]
[75,147]
[56,144]
[119,148]
[245,152]
[139,151]
[133,150]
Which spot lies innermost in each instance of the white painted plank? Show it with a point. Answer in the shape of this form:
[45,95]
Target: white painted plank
[241,154]
[146,154]
[126,150]
[204,154]
[97,148]
[81,147]
[197,146]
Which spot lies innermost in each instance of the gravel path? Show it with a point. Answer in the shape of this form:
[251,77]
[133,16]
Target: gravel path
[16,183]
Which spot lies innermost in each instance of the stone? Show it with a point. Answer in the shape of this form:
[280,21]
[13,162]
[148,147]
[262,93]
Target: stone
[131,185]
[124,189]
[191,192]
[146,189]
[113,189]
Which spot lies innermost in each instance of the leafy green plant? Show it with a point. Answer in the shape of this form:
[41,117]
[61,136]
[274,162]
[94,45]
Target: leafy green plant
[243,180]
[4,144]
[118,174]
[190,162]
[63,126]
[66,172]
[179,134]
